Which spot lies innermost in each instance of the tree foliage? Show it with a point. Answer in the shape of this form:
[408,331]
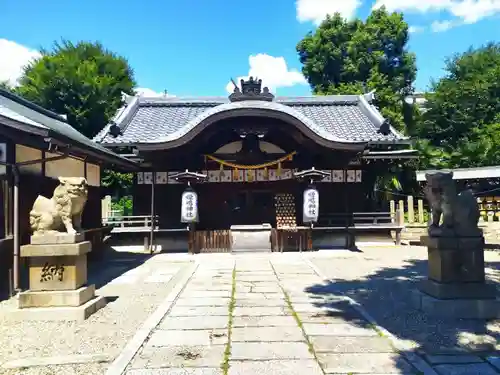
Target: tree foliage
[349,57]
[83,81]
[462,122]
[117,182]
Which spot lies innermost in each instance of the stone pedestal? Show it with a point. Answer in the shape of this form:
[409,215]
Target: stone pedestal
[456,284]
[58,287]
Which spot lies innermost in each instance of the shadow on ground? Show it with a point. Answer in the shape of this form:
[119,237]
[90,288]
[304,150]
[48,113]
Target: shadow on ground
[111,264]
[386,295]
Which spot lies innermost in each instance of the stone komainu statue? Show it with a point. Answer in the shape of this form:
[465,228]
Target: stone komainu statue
[62,212]
[460,212]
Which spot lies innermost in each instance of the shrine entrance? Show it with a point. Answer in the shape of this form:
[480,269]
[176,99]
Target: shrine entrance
[251,207]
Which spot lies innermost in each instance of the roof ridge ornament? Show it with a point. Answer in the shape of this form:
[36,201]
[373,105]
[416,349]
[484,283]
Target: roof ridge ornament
[250,90]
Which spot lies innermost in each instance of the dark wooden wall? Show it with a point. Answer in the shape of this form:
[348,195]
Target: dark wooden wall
[213,200]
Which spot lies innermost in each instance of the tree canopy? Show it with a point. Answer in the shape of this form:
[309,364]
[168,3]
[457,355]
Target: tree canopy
[350,57]
[83,81]
[462,122]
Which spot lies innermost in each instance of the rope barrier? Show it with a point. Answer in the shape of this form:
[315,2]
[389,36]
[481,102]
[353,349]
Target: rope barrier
[252,167]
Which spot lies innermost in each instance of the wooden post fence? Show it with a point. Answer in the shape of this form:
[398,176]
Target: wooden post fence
[411,210]
[105,208]
[401,211]
[420,210]
[392,208]
[489,208]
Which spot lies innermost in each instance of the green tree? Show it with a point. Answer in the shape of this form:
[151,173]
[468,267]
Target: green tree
[119,186]
[83,81]
[480,148]
[462,120]
[350,57]
[117,182]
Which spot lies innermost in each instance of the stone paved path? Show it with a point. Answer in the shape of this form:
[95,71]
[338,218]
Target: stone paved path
[213,314]
[239,315]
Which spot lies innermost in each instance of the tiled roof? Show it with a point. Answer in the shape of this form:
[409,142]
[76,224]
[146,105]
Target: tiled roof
[342,118]
[23,115]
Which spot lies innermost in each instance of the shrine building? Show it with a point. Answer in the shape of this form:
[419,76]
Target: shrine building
[250,156]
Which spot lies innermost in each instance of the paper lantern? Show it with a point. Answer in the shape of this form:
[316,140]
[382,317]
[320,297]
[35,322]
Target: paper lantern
[310,205]
[189,206]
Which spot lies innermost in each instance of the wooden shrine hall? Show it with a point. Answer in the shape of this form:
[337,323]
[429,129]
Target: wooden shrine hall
[245,163]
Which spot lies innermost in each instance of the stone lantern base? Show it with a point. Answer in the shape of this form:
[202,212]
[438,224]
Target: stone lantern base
[456,286]
[58,287]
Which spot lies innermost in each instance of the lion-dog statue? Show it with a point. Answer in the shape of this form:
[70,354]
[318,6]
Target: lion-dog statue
[460,212]
[62,212]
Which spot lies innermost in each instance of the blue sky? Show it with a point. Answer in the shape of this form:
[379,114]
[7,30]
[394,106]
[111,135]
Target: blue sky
[193,47]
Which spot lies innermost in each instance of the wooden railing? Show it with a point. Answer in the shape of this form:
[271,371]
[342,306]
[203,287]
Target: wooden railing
[358,222]
[134,223]
[360,219]
[210,241]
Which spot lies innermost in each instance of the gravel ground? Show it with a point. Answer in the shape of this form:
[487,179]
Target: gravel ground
[381,280]
[131,300]
[83,369]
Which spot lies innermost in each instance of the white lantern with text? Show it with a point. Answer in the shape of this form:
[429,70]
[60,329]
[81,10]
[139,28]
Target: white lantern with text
[311,205]
[189,206]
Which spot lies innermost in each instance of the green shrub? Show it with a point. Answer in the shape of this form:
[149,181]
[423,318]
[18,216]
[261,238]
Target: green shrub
[123,206]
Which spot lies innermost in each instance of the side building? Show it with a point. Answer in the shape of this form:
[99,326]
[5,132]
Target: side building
[36,148]
[251,146]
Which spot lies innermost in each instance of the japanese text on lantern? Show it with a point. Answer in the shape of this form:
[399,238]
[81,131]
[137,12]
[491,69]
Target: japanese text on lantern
[189,207]
[51,272]
[311,205]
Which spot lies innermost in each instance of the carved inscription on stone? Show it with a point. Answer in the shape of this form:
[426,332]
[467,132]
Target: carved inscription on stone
[51,272]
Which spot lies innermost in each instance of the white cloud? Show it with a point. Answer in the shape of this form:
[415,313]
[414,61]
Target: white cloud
[467,11]
[440,26]
[416,29]
[14,57]
[413,5]
[471,11]
[273,71]
[316,10]
[144,91]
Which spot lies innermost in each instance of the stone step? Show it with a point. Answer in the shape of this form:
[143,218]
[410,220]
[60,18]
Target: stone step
[251,240]
[252,250]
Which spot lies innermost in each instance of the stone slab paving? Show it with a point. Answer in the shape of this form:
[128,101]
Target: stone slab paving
[380,280]
[342,340]
[268,324]
[261,313]
[192,337]
[242,314]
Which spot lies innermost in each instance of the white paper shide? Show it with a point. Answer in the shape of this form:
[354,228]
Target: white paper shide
[311,205]
[189,207]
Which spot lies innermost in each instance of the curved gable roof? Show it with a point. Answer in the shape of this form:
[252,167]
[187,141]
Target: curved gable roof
[340,119]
